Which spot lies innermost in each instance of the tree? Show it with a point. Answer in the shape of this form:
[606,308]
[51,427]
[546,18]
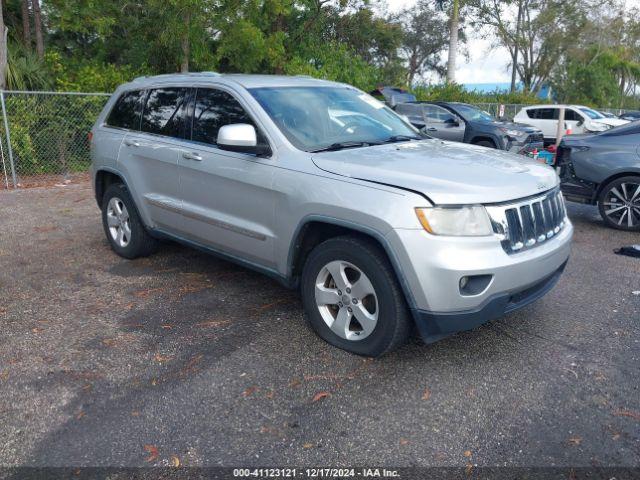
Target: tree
[425,36]
[454,23]
[37,24]
[26,23]
[4,31]
[539,39]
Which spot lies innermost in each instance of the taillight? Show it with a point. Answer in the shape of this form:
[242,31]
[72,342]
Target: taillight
[90,136]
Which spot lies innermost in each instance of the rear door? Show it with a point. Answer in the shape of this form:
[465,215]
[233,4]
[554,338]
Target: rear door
[228,200]
[546,119]
[441,123]
[150,156]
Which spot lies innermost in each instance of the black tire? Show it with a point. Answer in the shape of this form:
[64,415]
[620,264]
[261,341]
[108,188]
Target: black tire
[608,200]
[394,322]
[140,243]
[485,143]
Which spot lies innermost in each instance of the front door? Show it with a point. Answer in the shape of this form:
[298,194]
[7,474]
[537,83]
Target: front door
[227,197]
[441,123]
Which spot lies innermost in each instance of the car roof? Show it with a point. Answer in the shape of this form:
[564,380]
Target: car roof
[558,105]
[245,80]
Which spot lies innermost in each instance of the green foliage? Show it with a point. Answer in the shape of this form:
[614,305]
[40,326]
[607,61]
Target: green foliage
[49,132]
[89,77]
[336,62]
[25,71]
[452,92]
[598,78]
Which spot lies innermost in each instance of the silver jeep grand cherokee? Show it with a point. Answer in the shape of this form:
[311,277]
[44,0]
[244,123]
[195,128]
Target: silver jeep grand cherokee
[322,187]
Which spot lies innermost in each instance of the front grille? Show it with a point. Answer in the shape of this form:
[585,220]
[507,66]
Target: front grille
[535,138]
[528,223]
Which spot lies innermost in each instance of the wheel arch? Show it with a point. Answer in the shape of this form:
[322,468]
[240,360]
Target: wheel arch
[104,178]
[611,178]
[485,138]
[315,229]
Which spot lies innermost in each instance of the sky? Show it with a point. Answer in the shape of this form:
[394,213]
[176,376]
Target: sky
[486,64]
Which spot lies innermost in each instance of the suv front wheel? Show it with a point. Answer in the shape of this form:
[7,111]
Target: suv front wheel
[352,298]
[122,224]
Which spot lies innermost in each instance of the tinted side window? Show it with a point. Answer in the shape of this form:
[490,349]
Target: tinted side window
[126,112]
[214,109]
[572,115]
[543,113]
[408,109]
[164,112]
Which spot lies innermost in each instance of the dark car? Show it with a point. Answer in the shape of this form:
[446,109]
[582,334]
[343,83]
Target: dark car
[466,123]
[631,116]
[392,96]
[604,169]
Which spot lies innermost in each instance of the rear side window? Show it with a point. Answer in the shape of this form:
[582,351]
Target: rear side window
[214,109]
[165,111]
[438,114]
[543,113]
[126,112]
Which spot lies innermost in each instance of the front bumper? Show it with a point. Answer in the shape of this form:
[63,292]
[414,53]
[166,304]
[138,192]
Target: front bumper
[432,267]
[524,148]
[434,326]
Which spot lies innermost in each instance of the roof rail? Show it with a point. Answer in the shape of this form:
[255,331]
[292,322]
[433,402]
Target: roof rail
[165,75]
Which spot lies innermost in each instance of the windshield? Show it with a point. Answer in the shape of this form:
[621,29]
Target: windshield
[592,113]
[472,113]
[316,118]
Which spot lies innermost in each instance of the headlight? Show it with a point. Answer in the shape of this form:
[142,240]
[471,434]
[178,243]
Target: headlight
[512,133]
[598,127]
[470,221]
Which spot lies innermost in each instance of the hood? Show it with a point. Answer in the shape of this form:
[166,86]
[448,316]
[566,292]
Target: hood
[445,172]
[517,126]
[614,122]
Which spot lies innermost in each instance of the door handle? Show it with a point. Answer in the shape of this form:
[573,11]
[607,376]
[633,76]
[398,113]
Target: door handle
[432,129]
[192,156]
[132,143]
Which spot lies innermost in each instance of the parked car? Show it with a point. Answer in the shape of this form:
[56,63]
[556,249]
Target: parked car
[577,118]
[466,123]
[326,189]
[607,114]
[632,116]
[392,96]
[604,169]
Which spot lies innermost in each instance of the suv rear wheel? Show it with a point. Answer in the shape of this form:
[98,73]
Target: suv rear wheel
[122,224]
[352,298]
[619,203]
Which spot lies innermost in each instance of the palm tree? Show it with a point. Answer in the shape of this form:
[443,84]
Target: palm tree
[454,25]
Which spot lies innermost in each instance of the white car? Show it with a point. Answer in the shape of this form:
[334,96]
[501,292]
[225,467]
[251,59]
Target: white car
[577,118]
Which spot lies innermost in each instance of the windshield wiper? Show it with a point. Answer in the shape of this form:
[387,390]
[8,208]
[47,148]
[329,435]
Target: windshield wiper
[401,138]
[341,145]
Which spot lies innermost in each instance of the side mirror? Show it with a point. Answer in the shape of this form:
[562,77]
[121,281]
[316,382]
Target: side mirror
[240,137]
[580,123]
[454,122]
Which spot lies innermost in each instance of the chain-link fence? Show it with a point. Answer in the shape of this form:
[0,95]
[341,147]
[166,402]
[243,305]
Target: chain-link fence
[44,136]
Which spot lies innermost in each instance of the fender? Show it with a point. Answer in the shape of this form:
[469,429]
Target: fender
[395,263]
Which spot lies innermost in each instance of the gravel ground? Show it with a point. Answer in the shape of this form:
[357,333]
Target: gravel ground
[184,357]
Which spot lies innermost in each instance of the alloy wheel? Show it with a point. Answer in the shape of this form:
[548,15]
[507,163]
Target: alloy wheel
[118,222]
[622,204]
[347,300]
